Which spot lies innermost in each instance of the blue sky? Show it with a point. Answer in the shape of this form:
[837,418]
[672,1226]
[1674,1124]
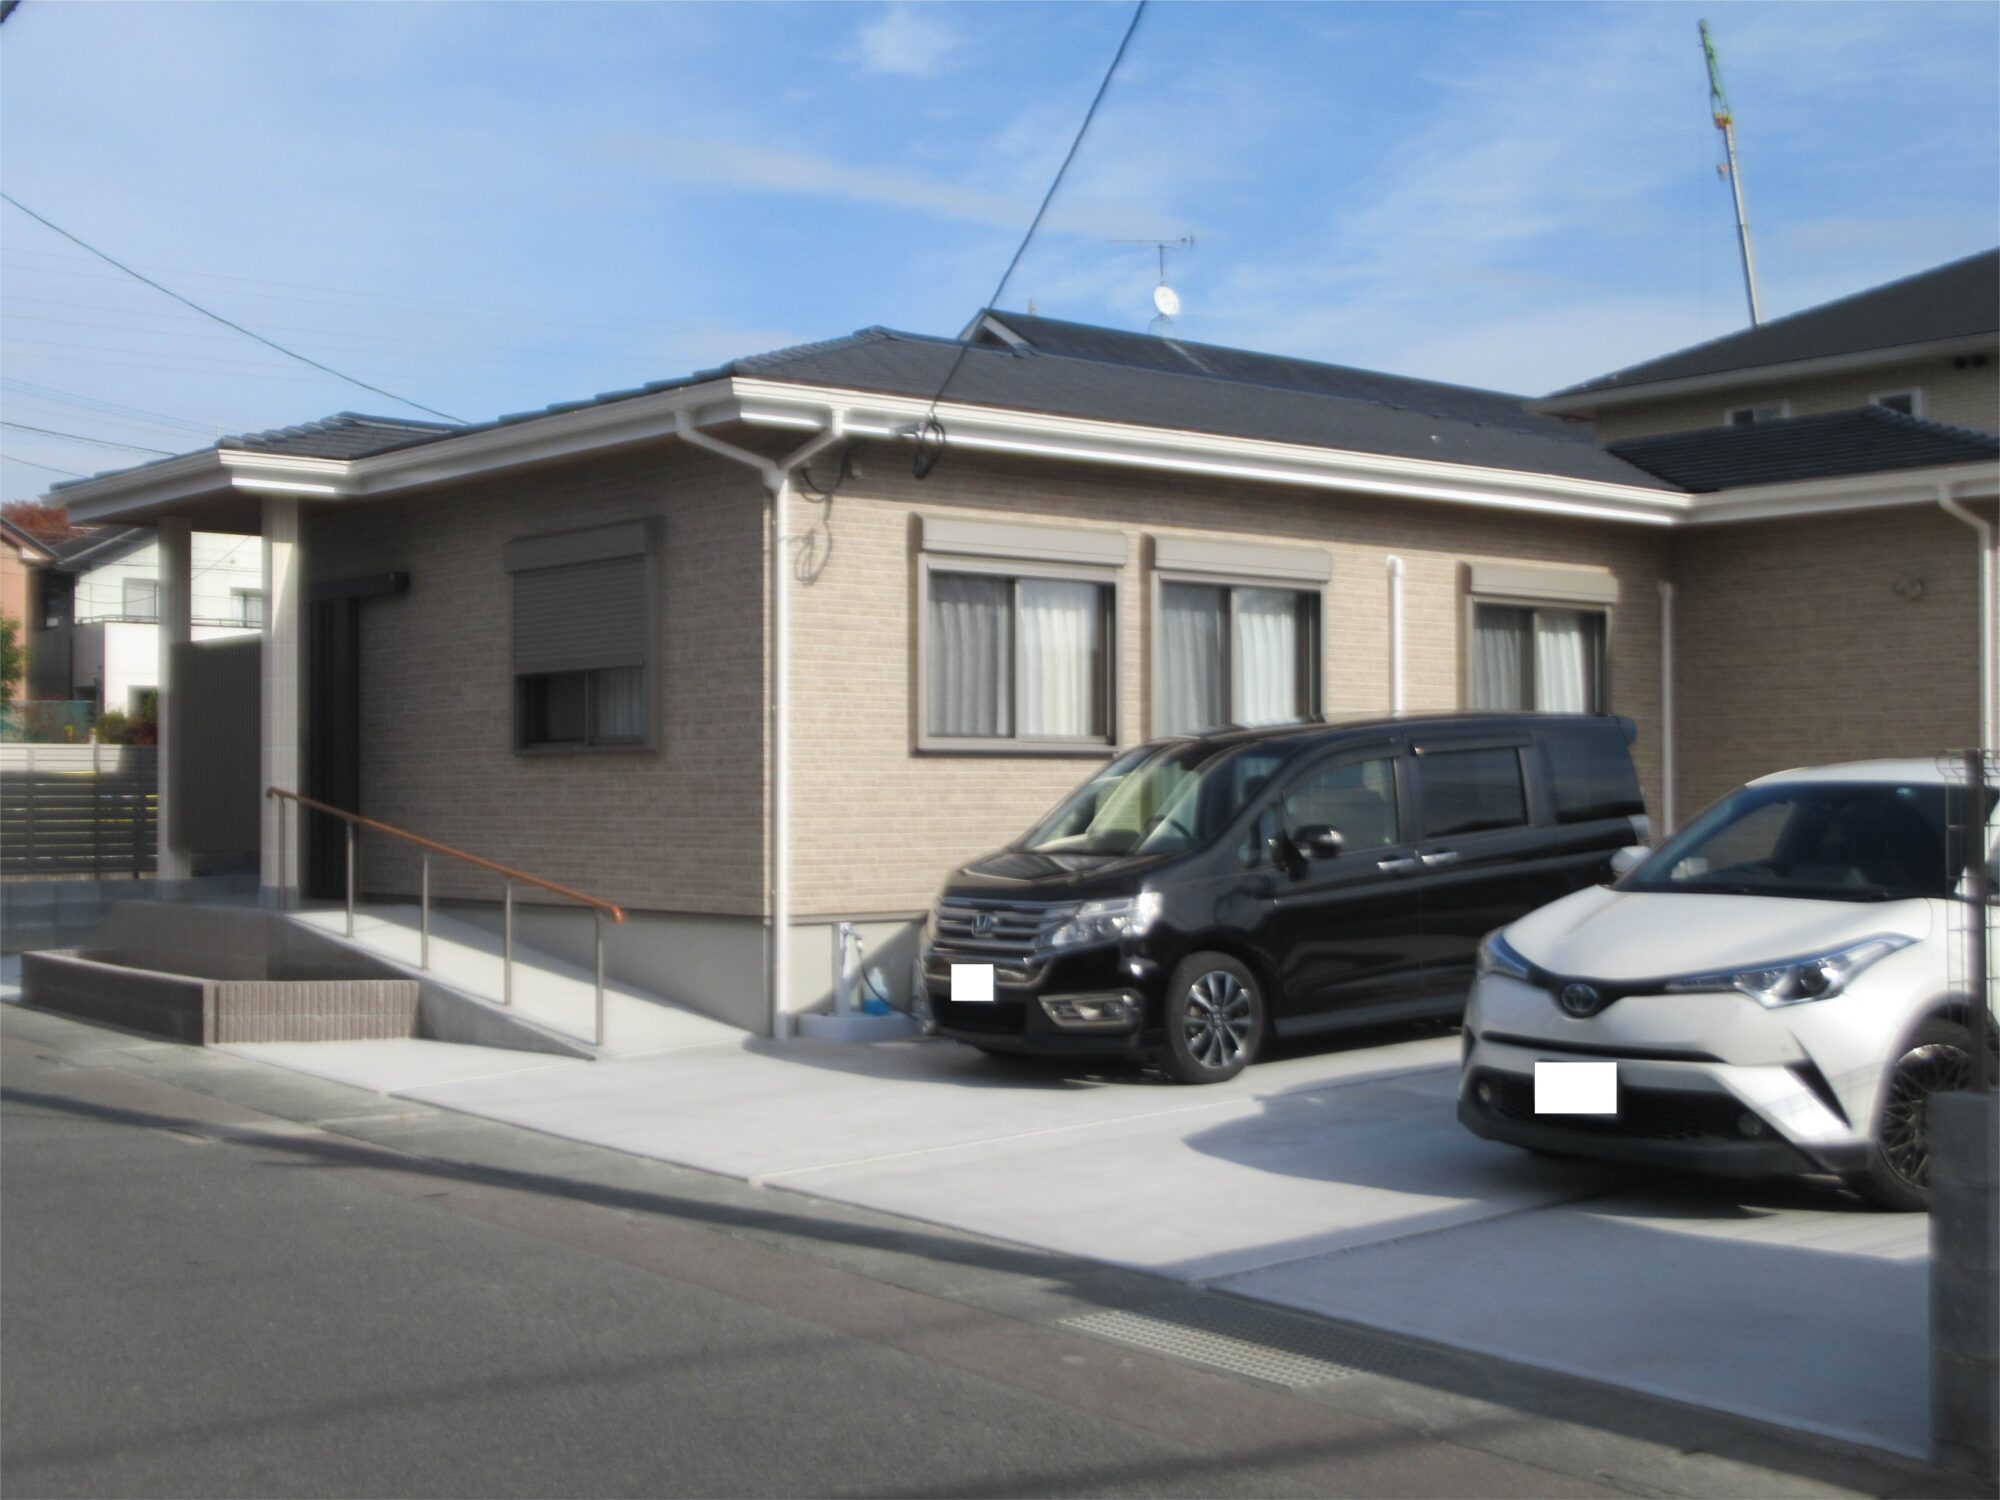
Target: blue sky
[491,207]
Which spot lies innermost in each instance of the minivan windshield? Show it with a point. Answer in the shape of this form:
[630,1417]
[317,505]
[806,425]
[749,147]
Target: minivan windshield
[1855,841]
[1160,800]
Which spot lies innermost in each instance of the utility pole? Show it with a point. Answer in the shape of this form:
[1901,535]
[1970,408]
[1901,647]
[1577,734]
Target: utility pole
[1725,121]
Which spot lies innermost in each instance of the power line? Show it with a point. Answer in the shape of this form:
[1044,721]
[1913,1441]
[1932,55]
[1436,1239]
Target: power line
[50,467]
[930,434]
[289,353]
[81,438]
[29,390]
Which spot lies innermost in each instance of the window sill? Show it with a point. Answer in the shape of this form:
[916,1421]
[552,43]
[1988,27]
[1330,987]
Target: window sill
[1013,749]
[539,751]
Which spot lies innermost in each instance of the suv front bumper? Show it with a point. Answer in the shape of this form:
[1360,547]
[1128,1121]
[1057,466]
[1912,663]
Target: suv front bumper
[1092,1002]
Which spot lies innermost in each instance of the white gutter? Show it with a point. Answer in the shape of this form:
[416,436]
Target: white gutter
[777,477]
[1395,635]
[1952,506]
[1666,709]
[1822,497]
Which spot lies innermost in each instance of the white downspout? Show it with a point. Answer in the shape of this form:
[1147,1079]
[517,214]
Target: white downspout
[1395,635]
[1666,710]
[1952,506]
[777,477]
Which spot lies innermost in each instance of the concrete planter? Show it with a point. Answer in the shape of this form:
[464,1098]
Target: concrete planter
[187,1008]
[1965,1276]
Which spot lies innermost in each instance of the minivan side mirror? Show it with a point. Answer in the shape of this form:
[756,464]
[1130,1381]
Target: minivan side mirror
[1319,841]
[1627,859]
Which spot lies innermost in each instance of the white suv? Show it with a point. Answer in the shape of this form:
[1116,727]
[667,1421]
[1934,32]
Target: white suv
[1779,988]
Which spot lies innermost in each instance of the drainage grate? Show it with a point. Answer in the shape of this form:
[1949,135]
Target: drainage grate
[1244,1339]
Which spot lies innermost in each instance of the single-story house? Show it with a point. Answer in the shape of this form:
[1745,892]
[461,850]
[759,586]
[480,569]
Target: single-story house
[776,645]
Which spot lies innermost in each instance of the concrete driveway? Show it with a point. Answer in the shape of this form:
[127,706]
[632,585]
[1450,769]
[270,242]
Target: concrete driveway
[1336,1181]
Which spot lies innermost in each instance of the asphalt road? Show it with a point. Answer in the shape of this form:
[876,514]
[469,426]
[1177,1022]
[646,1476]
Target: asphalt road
[224,1280]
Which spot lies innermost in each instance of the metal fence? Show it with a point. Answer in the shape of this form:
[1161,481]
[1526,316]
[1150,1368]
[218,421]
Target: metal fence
[78,811]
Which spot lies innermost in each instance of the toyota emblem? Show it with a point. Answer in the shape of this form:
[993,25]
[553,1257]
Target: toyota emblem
[982,923]
[1580,999]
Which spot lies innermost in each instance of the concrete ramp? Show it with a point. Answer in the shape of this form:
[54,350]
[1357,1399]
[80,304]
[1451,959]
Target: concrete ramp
[555,998]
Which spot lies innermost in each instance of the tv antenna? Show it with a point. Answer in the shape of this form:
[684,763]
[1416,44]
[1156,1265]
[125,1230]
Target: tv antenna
[1166,301]
[1725,121]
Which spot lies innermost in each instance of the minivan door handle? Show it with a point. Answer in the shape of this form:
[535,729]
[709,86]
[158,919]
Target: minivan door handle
[1398,866]
[1439,857]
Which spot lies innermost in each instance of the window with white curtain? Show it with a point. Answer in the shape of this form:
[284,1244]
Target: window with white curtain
[1016,659]
[1236,654]
[1547,659]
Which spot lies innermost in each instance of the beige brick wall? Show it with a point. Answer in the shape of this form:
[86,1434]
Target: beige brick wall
[680,828]
[877,825]
[1968,397]
[1794,648]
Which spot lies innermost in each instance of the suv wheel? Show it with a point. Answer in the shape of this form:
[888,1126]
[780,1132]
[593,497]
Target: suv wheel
[1936,1059]
[1214,1018]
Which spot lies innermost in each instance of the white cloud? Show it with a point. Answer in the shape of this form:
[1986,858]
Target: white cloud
[907,41]
[750,168]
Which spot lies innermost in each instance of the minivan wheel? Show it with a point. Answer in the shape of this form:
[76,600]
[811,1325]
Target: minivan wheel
[1936,1059]
[1213,1018]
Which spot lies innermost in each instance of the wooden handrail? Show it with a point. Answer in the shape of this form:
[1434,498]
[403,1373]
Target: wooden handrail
[505,871]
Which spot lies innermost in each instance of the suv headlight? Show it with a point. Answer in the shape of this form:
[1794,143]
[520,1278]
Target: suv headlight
[1793,981]
[1497,956]
[1105,921]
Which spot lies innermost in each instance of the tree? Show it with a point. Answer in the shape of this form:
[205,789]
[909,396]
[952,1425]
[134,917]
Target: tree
[43,522]
[13,658]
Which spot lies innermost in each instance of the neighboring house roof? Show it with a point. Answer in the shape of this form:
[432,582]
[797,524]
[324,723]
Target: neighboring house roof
[346,434]
[1958,301]
[97,546]
[1870,440]
[1183,357]
[31,547]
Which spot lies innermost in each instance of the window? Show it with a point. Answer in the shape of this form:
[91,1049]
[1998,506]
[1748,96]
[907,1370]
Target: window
[1764,411]
[141,599]
[1470,791]
[1910,403]
[1011,657]
[585,620]
[603,707]
[1236,654]
[1548,660]
[249,606]
[1356,799]
[1591,774]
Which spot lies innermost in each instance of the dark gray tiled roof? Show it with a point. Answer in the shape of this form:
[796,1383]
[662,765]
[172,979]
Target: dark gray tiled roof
[879,360]
[1952,301]
[1872,440]
[347,434]
[885,362]
[1184,357]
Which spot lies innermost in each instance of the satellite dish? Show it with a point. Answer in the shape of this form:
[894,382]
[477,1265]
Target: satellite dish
[1167,300]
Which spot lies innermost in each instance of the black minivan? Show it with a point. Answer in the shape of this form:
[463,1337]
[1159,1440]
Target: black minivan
[1198,895]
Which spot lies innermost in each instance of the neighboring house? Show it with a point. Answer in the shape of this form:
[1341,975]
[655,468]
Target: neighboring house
[95,630]
[712,649]
[21,553]
[1842,640]
[1926,346]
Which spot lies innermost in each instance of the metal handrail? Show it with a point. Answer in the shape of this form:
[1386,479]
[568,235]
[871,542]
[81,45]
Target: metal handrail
[510,877]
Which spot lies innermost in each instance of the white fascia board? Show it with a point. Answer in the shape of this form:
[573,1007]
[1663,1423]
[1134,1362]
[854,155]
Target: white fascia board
[1582,403]
[1819,497]
[632,419]
[993,429]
